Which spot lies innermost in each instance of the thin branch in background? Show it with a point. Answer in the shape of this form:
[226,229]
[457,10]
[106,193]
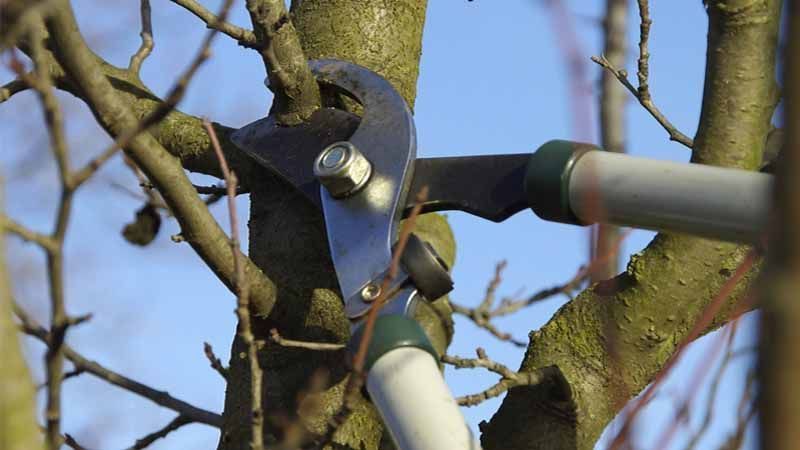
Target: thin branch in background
[714,384]
[642,93]
[509,378]
[161,398]
[357,375]
[319,346]
[612,122]
[702,323]
[24,233]
[244,328]
[171,101]
[245,38]
[483,314]
[42,84]
[13,87]
[146,47]
[173,425]
[71,374]
[215,362]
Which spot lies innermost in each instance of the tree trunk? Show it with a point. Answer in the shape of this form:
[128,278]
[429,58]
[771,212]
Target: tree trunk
[288,241]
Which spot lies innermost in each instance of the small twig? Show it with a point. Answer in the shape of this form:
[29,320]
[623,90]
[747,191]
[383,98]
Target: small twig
[215,362]
[244,328]
[321,346]
[161,398]
[245,38]
[218,190]
[13,87]
[147,39]
[173,425]
[72,443]
[646,102]
[71,374]
[642,93]
[172,99]
[509,379]
[10,226]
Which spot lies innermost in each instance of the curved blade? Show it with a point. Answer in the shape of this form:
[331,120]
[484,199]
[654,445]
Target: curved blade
[362,228]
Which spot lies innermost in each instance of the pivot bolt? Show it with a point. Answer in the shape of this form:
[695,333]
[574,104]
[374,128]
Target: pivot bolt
[342,169]
[370,292]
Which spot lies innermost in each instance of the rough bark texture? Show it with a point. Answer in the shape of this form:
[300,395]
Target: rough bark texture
[612,340]
[18,427]
[779,402]
[287,237]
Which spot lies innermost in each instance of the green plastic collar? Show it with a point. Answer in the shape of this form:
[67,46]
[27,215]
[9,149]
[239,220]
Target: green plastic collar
[547,179]
[391,332]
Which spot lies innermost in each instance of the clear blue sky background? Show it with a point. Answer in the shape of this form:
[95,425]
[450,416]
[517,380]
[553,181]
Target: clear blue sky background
[492,81]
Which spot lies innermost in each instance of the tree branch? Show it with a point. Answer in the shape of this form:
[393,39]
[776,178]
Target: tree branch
[296,90]
[244,327]
[198,226]
[245,38]
[509,379]
[147,39]
[13,87]
[161,398]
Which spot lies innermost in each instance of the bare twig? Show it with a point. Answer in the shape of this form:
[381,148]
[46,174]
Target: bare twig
[715,383]
[173,425]
[147,39]
[509,379]
[321,346]
[646,102]
[642,93]
[215,362]
[244,328]
[172,99]
[10,226]
[161,398]
[246,38]
[13,87]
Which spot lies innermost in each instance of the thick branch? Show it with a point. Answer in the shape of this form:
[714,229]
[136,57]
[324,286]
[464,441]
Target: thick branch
[290,79]
[198,226]
[613,339]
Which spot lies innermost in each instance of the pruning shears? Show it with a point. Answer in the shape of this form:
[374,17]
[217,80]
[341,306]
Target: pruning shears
[364,176]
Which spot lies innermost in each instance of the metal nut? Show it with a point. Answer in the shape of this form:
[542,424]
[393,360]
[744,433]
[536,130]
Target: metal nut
[342,169]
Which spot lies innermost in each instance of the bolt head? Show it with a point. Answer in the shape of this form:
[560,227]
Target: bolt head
[342,169]
[370,292]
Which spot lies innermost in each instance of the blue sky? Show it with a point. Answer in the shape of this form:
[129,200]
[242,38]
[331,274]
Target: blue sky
[492,81]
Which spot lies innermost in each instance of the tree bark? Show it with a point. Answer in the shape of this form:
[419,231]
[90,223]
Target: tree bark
[288,241]
[613,339]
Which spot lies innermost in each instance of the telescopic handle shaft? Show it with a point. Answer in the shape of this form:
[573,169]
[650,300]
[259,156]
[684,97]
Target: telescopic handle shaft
[580,184]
